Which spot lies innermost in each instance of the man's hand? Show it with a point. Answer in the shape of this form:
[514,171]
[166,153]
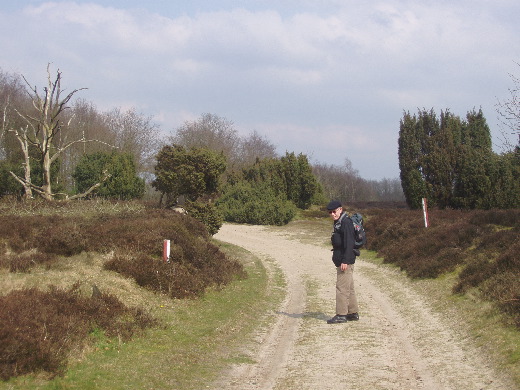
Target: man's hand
[343,266]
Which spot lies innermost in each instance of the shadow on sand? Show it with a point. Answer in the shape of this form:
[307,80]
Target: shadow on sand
[308,314]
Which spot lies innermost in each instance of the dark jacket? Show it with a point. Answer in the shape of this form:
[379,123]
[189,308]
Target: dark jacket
[342,240]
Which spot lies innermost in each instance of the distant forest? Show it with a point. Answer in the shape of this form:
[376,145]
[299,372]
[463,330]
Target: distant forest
[81,129]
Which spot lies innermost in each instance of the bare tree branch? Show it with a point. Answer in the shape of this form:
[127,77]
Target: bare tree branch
[105,177]
[509,113]
[41,190]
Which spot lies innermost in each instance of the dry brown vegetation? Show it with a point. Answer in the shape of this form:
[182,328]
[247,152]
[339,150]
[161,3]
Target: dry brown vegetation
[39,327]
[482,246]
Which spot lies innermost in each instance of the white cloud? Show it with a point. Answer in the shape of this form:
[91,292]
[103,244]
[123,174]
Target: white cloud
[341,69]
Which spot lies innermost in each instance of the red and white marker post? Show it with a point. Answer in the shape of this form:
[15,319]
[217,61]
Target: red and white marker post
[166,251]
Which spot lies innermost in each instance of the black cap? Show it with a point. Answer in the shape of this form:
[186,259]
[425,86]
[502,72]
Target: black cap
[333,205]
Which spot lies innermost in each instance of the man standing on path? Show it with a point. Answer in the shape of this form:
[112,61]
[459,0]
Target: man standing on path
[344,257]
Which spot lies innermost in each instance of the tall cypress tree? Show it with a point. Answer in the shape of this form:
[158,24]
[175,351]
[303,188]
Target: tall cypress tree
[452,163]
[409,149]
[443,159]
[474,164]
[505,181]
[427,130]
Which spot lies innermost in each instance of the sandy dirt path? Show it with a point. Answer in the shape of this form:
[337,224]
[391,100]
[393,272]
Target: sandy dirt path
[398,343]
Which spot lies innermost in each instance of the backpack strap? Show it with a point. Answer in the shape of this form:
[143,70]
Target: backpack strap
[337,224]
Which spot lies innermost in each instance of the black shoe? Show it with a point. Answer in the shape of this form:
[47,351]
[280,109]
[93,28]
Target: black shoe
[337,319]
[352,317]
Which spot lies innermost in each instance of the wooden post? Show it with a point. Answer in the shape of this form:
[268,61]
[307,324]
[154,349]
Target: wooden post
[425,211]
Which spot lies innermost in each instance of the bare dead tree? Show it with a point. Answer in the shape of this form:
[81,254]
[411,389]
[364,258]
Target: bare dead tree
[105,177]
[42,126]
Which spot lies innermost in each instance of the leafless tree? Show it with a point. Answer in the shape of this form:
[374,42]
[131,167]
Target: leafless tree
[509,113]
[211,132]
[345,183]
[255,147]
[219,134]
[45,129]
[134,134]
[12,94]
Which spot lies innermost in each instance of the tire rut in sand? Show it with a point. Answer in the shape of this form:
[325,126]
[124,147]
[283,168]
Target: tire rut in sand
[399,342]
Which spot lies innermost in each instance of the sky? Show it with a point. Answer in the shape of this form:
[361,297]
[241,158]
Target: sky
[327,78]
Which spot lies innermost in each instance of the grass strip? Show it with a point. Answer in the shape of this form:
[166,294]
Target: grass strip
[198,340]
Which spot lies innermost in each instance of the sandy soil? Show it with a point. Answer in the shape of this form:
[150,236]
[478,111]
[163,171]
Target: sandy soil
[398,343]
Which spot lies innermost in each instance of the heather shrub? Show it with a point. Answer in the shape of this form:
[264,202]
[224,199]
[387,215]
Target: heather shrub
[145,232]
[38,329]
[61,236]
[401,238]
[504,289]
[182,276]
[390,227]
[136,238]
[17,232]
[507,218]
[174,279]
[483,244]
[23,262]
[473,274]
[497,241]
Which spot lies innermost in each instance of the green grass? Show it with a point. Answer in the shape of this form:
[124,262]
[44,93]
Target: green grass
[197,340]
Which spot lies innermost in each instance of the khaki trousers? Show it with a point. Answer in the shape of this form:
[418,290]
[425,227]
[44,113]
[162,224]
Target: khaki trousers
[346,301]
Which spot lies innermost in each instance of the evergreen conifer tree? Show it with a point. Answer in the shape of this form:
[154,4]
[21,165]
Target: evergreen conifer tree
[410,153]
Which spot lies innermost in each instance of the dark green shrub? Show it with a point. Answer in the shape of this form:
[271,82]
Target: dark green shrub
[8,184]
[289,177]
[255,204]
[123,182]
[207,213]
[193,172]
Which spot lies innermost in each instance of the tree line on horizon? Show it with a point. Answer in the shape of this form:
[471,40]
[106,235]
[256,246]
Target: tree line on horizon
[59,148]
